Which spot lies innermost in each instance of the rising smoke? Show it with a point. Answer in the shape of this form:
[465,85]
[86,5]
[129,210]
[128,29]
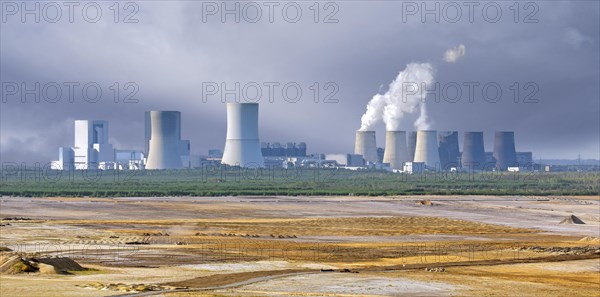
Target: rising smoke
[423,122]
[405,95]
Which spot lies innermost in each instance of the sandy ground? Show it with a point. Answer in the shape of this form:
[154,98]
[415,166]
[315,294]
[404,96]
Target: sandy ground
[576,278]
[251,238]
[542,213]
[350,284]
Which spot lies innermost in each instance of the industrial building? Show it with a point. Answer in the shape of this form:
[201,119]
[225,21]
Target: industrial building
[525,159]
[91,149]
[215,153]
[275,149]
[490,162]
[129,159]
[65,159]
[346,160]
[448,150]
[414,167]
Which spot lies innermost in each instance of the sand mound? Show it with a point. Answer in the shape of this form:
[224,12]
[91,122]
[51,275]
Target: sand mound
[47,269]
[425,202]
[17,265]
[59,264]
[572,219]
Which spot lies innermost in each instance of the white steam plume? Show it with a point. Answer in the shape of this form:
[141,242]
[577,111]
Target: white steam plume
[452,55]
[373,113]
[405,95]
[422,122]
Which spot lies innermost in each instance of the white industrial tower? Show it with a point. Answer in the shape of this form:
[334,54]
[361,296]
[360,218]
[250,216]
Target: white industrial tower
[426,150]
[396,150]
[242,146]
[163,152]
[183,146]
[365,145]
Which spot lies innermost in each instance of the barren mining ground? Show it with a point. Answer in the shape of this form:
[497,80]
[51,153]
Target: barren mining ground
[302,246]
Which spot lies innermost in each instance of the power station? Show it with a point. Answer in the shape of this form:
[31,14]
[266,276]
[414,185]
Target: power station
[366,146]
[242,146]
[396,151]
[411,152]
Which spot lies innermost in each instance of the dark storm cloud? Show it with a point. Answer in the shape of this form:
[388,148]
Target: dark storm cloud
[171,51]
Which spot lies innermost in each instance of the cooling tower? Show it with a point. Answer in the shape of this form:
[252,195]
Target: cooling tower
[242,147]
[473,155]
[504,150]
[449,152]
[395,149]
[164,141]
[412,144]
[365,145]
[426,149]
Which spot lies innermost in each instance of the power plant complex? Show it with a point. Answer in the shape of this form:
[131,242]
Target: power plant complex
[405,151]
[433,151]
[163,145]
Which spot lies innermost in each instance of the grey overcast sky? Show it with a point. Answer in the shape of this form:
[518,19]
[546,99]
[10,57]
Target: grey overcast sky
[549,49]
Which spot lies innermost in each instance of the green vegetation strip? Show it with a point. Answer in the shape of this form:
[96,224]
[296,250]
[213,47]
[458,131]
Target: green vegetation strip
[293,182]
